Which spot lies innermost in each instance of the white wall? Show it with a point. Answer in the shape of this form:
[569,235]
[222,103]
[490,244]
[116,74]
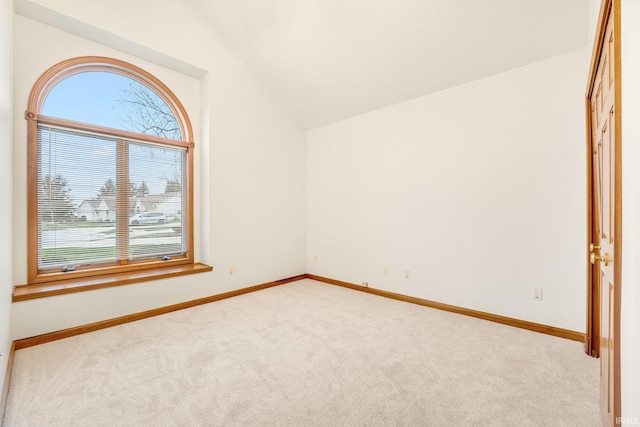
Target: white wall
[630,310]
[250,185]
[6,189]
[478,190]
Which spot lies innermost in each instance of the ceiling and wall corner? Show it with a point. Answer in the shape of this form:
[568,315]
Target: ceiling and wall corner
[331,60]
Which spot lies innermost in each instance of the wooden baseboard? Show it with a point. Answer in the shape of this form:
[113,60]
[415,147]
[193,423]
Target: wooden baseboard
[66,333]
[5,387]
[523,324]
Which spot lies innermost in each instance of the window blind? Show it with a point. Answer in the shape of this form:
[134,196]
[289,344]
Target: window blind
[105,200]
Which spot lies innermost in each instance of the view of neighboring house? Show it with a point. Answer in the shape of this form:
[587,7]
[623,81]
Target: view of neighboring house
[103,208]
[169,203]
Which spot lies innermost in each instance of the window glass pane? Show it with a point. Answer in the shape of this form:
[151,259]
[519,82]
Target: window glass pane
[111,100]
[76,199]
[157,201]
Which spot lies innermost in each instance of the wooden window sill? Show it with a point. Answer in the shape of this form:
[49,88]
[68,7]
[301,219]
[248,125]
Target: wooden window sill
[60,287]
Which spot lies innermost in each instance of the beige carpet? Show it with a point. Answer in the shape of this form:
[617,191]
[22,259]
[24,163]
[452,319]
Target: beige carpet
[305,354]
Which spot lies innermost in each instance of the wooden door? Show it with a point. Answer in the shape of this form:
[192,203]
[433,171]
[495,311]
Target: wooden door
[603,337]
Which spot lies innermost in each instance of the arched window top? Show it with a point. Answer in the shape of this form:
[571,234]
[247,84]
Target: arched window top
[109,93]
[114,101]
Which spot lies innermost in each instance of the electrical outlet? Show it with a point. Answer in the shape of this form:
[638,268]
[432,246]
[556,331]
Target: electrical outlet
[385,270]
[537,294]
[407,274]
[365,284]
[230,271]
[315,258]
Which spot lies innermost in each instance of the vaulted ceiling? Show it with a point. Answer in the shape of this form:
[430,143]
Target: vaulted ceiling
[332,59]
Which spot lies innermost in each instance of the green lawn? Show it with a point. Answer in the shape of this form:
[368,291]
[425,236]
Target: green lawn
[78,255]
[53,226]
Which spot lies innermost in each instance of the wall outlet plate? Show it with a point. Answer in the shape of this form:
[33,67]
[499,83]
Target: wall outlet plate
[537,294]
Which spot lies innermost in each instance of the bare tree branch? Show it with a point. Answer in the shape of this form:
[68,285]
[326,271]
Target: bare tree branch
[147,113]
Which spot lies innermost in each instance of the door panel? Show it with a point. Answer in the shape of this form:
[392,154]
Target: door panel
[605,226]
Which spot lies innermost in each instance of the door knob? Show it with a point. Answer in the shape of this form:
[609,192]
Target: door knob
[593,247]
[603,258]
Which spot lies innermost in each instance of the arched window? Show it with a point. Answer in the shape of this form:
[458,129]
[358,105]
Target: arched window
[110,172]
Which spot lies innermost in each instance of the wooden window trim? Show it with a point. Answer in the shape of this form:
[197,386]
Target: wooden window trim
[103,131]
[68,286]
[53,283]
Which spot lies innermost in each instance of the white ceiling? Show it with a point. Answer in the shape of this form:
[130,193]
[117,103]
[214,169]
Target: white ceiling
[333,59]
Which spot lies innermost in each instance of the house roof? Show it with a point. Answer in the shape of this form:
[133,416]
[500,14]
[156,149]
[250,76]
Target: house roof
[110,201]
[149,202]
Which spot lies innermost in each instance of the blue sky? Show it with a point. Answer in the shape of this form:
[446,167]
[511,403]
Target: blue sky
[88,97]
